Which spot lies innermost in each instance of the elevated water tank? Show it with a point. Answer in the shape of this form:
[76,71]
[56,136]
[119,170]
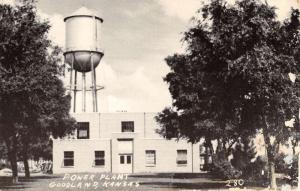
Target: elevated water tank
[83,40]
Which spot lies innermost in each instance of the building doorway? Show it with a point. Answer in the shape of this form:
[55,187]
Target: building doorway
[125,150]
[125,163]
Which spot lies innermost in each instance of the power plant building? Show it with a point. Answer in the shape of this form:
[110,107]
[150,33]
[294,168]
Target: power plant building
[111,142]
[122,143]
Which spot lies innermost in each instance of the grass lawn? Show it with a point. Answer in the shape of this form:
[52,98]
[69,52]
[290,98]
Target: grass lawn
[114,182]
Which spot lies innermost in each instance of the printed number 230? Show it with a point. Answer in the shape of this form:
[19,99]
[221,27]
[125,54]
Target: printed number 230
[235,182]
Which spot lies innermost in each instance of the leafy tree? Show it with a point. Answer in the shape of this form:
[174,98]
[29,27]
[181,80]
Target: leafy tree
[243,153]
[33,103]
[233,79]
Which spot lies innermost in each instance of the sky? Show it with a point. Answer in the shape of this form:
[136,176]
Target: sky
[137,35]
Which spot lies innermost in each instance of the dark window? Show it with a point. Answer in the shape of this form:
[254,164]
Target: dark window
[68,158]
[127,126]
[122,159]
[128,159]
[99,158]
[181,157]
[83,130]
[150,157]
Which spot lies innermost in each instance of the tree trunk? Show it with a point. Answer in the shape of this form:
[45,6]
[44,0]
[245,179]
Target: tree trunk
[26,166]
[272,175]
[209,149]
[212,152]
[10,140]
[14,160]
[294,144]
[25,159]
[12,155]
[270,155]
[14,168]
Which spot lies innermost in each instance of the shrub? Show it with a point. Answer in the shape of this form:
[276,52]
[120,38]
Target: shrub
[280,165]
[292,171]
[222,168]
[243,153]
[257,170]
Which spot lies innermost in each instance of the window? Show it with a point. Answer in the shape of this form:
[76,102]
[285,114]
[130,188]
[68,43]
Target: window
[125,159]
[150,157]
[83,131]
[182,157]
[68,158]
[128,159]
[99,158]
[127,126]
[122,159]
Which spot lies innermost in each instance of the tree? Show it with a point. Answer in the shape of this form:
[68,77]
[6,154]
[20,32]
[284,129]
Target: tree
[33,102]
[233,79]
[243,153]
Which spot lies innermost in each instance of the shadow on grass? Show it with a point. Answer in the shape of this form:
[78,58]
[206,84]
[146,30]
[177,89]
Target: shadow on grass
[173,175]
[6,182]
[184,185]
[14,187]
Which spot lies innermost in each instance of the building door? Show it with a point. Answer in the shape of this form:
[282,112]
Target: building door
[125,150]
[125,163]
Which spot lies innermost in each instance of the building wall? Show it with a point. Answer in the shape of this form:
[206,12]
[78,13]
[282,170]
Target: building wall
[151,126]
[110,123]
[104,125]
[166,156]
[93,119]
[83,155]
[105,134]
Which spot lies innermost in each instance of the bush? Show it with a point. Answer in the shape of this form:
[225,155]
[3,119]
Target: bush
[257,170]
[222,168]
[280,165]
[292,171]
[243,153]
[4,164]
[289,168]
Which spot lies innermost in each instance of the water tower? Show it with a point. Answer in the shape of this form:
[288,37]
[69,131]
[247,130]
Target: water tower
[83,52]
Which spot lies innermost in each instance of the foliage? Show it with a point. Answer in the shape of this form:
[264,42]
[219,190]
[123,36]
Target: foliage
[293,170]
[3,151]
[257,172]
[222,168]
[233,80]
[41,149]
[243,153]
[288,167]
[33,102]
[280,163]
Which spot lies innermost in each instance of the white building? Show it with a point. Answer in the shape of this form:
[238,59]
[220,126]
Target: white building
[122,143]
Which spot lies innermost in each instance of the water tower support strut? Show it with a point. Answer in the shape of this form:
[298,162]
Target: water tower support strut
[75,90]
[71,78]
[93,81]
[83,91]
[96,103]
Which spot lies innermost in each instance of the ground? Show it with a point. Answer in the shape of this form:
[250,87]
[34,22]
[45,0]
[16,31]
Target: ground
[114,182]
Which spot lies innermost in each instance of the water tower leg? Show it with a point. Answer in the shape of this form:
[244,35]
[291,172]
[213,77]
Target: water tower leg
[93,81]
[71,80]
[75,91]
[83,92]
[96,103]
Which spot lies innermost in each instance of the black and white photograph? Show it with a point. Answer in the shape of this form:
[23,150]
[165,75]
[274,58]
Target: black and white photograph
[142,95]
